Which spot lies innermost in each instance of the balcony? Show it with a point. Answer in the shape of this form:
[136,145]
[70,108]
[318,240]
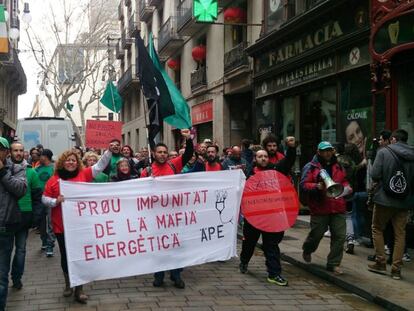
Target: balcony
[126,42]
[168,39]
[132,27]
[236,59]
[127,80]
[145,10]
[186,24]
[155,3]
[121,11]
[119,51]
[198,79]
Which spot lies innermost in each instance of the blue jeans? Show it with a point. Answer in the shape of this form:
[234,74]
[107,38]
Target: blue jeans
[358,213]
[19,254]
[6,249]
[175,274]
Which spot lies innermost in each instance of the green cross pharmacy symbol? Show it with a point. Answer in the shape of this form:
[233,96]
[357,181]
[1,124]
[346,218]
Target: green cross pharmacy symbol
[205,11]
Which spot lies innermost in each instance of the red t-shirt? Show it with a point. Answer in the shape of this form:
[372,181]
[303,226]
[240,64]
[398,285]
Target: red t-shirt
[166,168]
[213,168]
[279,156]
[52,190]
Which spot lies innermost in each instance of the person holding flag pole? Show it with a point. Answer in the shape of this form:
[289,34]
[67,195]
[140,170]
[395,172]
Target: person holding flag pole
[165,103]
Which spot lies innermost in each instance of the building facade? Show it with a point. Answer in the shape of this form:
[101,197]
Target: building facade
[312,73]
[392,69]
[12,77]
[207,62]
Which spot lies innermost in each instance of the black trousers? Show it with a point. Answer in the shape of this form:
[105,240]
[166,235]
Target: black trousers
[62,248]
[271,249]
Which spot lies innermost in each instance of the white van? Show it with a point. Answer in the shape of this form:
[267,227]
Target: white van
[53,133]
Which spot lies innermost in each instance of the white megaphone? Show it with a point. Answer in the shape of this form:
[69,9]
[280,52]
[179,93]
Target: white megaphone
[333,189]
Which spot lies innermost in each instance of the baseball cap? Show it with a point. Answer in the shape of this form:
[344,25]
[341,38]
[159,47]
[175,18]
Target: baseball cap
[4,143]
[323,145]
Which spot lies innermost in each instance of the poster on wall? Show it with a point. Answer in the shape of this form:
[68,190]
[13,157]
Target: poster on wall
[356,128]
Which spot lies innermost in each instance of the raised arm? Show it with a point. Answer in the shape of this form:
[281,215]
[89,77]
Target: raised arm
[103,162]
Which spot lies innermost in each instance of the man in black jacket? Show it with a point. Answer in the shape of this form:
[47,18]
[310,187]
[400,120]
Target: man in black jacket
[12,187]
[271,240]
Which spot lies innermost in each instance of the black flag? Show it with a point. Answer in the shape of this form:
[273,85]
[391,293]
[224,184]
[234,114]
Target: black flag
[155,91]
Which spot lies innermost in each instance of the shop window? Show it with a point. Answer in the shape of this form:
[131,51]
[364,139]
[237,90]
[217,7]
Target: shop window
[265,116]
[405,101]
[356,115]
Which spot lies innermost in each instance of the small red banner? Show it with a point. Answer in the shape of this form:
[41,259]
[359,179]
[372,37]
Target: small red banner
[100,133]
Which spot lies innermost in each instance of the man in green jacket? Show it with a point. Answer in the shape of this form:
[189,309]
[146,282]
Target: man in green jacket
[30,208]
[46,170]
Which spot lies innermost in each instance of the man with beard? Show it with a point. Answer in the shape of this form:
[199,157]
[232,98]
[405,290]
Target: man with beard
[270,240]
[115,148]
[12,187]
[163,167]
[31,211]
[211,164]
[270,145]
[235,161]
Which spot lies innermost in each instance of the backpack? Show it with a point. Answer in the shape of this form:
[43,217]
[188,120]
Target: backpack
[396,186]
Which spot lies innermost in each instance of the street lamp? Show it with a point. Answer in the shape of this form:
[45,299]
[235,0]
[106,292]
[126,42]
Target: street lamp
[14,32]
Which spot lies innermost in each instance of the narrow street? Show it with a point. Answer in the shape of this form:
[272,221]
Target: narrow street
[214,286]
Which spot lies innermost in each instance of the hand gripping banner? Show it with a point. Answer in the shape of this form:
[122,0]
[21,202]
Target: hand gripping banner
[147,225]
[270,202]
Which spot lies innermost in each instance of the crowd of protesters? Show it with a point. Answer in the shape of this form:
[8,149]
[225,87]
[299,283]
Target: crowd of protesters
[30,183]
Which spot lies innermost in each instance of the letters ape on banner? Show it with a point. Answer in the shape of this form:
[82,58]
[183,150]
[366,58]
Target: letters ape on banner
[147,225]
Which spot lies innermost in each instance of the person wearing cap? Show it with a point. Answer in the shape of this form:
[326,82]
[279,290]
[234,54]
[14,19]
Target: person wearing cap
[46,170]
[31,210]
[326,212]
[13,186]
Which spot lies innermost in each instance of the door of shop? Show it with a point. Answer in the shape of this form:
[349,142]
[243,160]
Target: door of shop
[310,130]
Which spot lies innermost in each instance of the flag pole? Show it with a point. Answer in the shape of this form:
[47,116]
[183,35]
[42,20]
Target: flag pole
[145,104]
[112,94]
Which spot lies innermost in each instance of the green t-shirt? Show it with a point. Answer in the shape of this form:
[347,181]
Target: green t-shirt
[102,177]
[25,203]
[44,173]
[114,160]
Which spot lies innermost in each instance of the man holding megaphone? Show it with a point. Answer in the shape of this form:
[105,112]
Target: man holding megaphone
[324,184]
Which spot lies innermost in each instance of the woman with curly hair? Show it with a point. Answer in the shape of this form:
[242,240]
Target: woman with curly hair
[128,154]
[69,167]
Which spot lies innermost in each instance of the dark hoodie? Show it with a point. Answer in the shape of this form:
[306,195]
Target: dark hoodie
[383,169]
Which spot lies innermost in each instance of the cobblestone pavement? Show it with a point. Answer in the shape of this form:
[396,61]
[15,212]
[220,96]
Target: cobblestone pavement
[214,286]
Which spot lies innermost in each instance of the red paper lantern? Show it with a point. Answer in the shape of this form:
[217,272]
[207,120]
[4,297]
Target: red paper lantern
[174,64]
[199,53]
[235,15]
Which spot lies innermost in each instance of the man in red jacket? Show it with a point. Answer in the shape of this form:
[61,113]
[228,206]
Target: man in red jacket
[270,145]
[163,167]
[326,212]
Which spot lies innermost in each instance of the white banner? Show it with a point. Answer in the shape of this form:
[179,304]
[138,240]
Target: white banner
[147,225]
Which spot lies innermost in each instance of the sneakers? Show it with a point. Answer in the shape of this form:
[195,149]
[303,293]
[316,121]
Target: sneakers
[17,285]
[49,252]
[406,257]
[179,283]
[307,257]
[350,248]
[387,251]
[158,282]
[43,248]
[278,280]
[336,270]
[396,274]
[378,267]
[243,267]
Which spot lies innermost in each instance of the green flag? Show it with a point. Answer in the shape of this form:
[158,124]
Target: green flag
[111,98]
[182,118]
[69,106]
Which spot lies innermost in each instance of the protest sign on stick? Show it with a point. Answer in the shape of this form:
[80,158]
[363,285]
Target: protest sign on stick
[98,134]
